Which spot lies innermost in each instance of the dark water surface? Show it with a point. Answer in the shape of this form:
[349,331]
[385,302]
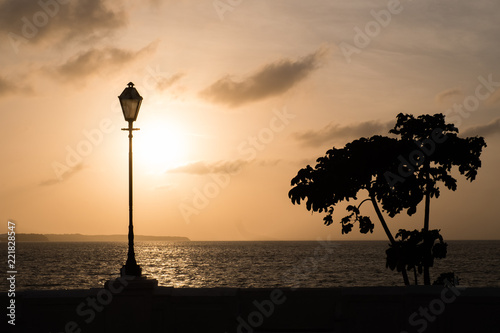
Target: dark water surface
[54,265]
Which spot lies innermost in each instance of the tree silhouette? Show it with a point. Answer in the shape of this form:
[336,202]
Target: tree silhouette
[396,174]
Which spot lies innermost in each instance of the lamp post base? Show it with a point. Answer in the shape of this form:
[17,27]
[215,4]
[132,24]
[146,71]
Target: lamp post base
[131,270]
[128,284]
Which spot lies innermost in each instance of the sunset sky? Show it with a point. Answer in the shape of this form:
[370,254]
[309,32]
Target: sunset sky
[238,96]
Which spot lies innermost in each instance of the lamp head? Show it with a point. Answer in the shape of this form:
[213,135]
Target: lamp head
[130,101]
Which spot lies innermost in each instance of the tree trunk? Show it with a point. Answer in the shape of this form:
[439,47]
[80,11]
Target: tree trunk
[389,235]
[427,247]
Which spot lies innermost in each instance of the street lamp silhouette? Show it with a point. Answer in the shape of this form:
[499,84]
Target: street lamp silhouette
[130,101]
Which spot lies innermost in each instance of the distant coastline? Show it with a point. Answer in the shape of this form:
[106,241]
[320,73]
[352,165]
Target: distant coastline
[89,238]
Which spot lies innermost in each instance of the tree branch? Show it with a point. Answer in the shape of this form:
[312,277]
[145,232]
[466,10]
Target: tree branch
[382,220]
[388,233]
[359,206]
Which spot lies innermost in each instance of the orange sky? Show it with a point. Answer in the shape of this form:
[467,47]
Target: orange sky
[238,96]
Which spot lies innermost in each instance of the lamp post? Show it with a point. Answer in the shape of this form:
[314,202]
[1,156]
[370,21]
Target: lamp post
[130,101]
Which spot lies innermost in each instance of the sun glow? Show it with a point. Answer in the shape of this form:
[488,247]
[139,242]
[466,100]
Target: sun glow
[159,146]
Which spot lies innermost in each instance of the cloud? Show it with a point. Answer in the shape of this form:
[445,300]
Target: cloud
[9,87]
[442,96]
[203,168]
[333,132]
[270,80]
[231,167]
[104,60]
[83,20]
[197,168]
[494,98]
[160,80]
[491,128]
[166,82]
[270,162]
[164,187]
[67,174]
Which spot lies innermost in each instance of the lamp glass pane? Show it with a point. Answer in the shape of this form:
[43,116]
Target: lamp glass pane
[130,108]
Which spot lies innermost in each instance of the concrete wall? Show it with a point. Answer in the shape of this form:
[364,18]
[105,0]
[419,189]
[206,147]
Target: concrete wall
[162,309]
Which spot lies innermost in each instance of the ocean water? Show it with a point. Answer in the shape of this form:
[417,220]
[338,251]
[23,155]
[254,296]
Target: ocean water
[55,265]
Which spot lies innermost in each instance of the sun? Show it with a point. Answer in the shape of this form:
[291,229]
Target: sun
[159,146]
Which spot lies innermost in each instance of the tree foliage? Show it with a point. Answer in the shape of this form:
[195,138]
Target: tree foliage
[396,172]
[411,250]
